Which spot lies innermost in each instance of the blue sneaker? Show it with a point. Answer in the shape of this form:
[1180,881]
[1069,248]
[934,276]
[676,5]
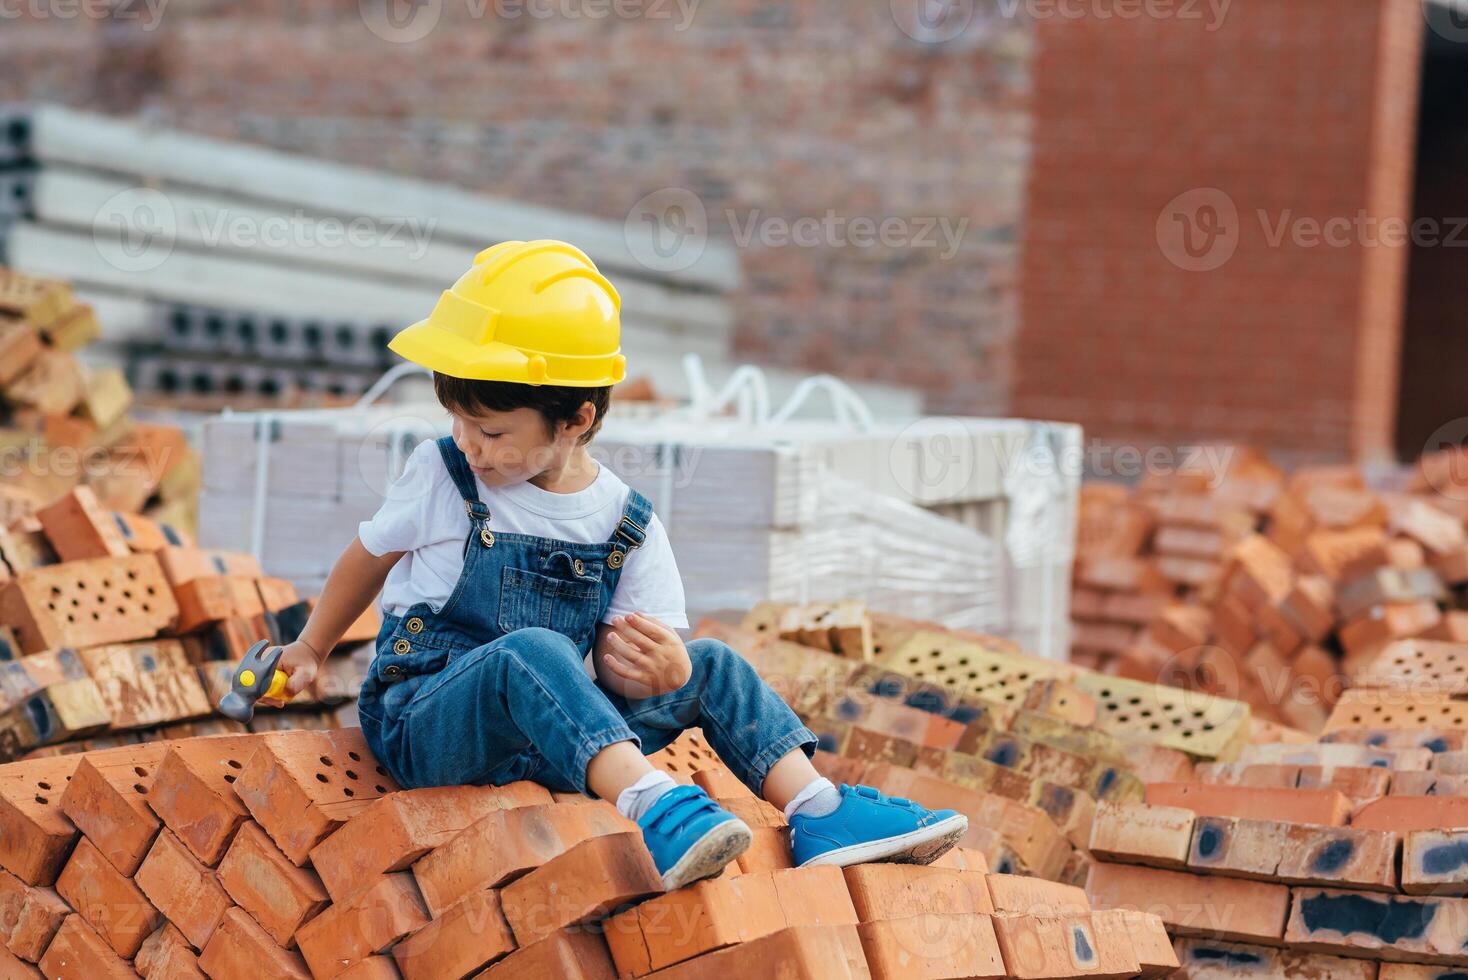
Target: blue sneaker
[690,836]
[868,826]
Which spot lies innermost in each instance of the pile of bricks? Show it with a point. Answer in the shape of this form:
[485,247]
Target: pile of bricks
[1271,589]
[115,629]
[1028,748]
[293,854]
[63,424]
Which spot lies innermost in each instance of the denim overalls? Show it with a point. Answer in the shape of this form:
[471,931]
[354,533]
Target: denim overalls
[493,686]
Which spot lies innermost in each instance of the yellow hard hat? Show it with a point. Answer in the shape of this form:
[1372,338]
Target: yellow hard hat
[530,312]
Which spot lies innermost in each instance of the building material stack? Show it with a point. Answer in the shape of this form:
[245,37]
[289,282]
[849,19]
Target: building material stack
[1337,858]
[1270,589]
[293,854]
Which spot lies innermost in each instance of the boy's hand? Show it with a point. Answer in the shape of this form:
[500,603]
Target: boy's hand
[301,663]
[647,654]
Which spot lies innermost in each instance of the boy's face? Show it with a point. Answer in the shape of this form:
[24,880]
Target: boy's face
[504,448]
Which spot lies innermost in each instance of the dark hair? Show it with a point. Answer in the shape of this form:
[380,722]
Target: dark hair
[555,403]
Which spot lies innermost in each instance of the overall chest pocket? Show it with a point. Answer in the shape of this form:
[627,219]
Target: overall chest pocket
[530,599]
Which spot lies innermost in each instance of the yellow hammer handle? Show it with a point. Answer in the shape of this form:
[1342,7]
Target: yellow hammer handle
[277,684]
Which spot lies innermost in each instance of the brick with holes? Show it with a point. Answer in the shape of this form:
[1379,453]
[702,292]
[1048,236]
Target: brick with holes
[193,792]
[77,952]
[395,830]
[109,901]
[265,883]
[687,754]
[183,888]
[301,786]
[105,799]
[373,921]
[586,882]
[505,844]
[35,834]
[241,950]
[88,603]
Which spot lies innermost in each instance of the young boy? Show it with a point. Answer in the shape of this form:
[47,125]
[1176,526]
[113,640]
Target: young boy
[505,553]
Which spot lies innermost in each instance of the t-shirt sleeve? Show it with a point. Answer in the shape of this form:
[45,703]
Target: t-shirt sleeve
[650,583]
[403,522]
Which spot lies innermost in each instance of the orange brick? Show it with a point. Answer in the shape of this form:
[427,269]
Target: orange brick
[184,564]
[14,968]
[768,851]
[301,786]
[798,953]
[78,953]
[371,968]
[1036,896]
[1194,905]
[264,882]
[394,831]
[1295,853]
[568,954]
[39,915]
[128,596]
[1212,960]
[1435,862]
[932,944]
[105,800]
[715,913]
[962,859]
[109,901]
[193,792]
[184,889]
[241,950]
[78,527]
[587,881]
[1060,946]
[1320,806]
[1141,834]
[1371,925]
[202,601]
[1406,813]
[167,955]
[1143,933]
[466,937]
[507,843]
[341,935]
[35,834]
[891,891]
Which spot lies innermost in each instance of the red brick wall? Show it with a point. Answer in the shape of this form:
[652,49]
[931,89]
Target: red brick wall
[780,108]
[1285,110]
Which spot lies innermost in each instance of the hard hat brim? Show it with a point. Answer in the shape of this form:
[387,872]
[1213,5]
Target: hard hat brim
[450,354]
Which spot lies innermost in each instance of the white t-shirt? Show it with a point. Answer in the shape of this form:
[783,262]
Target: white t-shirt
[423,515]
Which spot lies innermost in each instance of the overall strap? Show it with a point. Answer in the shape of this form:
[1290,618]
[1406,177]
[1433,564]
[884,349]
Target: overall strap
[463,478]
[631,529]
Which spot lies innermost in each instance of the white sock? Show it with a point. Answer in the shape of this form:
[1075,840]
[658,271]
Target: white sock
[818,798]
[635,800]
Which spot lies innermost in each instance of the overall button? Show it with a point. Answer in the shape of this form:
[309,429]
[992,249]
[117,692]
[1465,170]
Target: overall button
[580,567]
[487,537]
[415,625]
[615,559]
[391,670]
[401,646]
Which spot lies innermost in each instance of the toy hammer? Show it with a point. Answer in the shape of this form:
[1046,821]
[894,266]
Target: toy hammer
[254,678]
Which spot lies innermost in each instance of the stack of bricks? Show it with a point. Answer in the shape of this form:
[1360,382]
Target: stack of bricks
[63,424]
[1345,857]
[293,854]
[115,629]
[1269,589]
[1027,748]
